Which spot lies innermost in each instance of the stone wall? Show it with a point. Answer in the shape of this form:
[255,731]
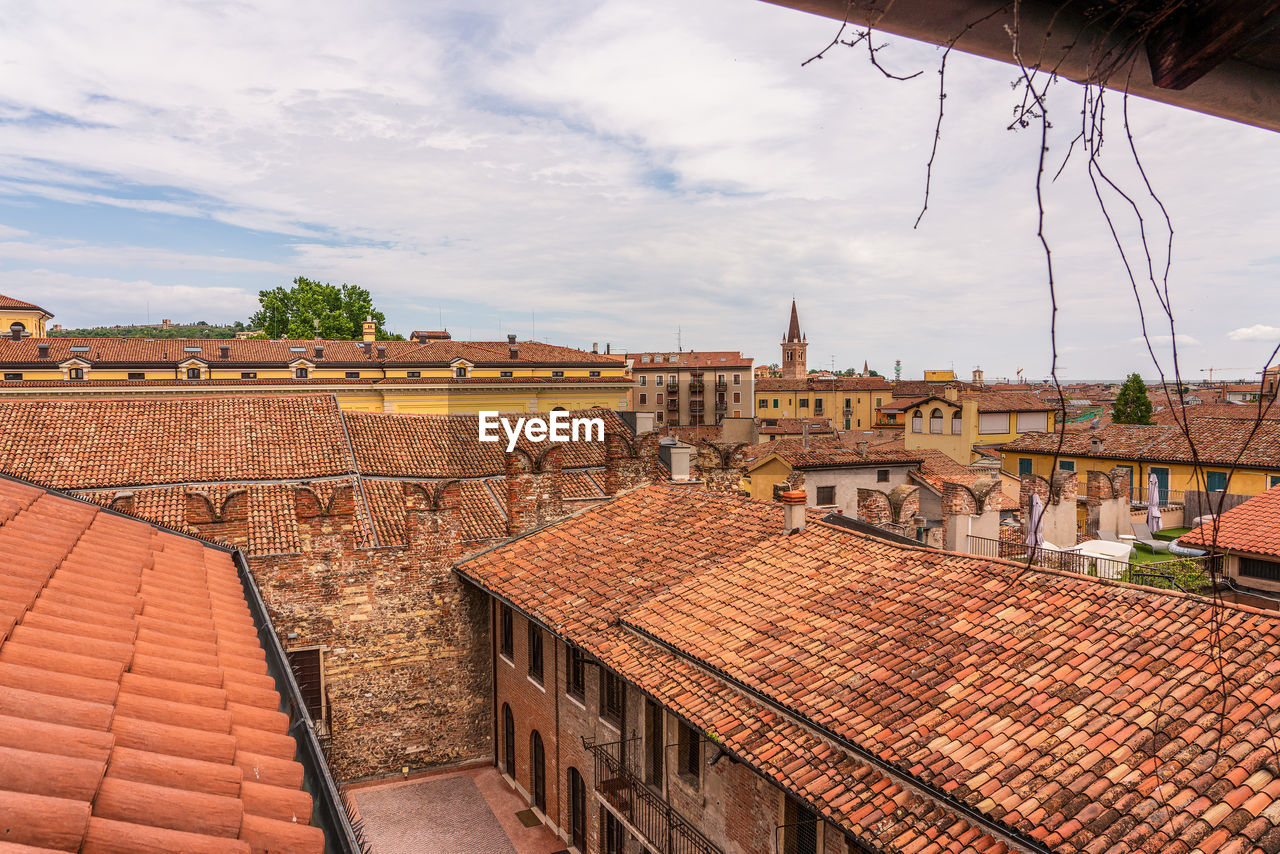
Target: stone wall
[720,466]
[405,643]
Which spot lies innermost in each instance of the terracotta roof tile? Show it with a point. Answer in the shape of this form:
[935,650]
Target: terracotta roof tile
[111,737]
[1218,441]
[1062,707]
[10,302]
[1252,527]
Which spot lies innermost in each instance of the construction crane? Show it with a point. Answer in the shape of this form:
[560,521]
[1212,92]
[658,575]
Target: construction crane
[1210,371]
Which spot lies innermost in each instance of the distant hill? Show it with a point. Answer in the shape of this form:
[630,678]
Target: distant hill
[196,330]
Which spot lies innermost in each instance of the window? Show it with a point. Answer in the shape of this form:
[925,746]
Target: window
[644,399]
[537,771]
[505,374]
[658,359]
[644,360]
[1215,481]
[75,373]
[804,403]
[957,423]
[659,417]
[1024,466]
[137,375]
[557,373]
[16,377]
[658,398]
[878,402]
[576,672]
[577,810]
[1033,421]
[460,372]
[799,828]
[644,379]
[993,422]
[737,379]
[307,670]
[826,495]
[764,403]
[413,375]
[615,835]
[248,375]
[353,375]
[300,373]
[1066,465]
[593,373]
[1272,480]
[658,380]
[193,373]
[882,475]
[935,421]
[689,749]
[775,403]
[846,424]
[508,742]
[848,403]
[917,422]
[535,652]
[508,631]
[655,746]
[613,697]
[1252,567]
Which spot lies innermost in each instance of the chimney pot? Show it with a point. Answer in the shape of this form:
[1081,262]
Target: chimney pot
[382,351]
[595,347]
[224,351]
[608,349]
[15,331]
[319,351]
[42,350]
[511,338]
[862,448]
[793,510]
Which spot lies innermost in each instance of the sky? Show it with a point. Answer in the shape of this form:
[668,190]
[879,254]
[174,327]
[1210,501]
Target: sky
[606,172]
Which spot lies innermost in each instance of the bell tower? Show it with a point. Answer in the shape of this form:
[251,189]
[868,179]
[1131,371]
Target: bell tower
[794,347]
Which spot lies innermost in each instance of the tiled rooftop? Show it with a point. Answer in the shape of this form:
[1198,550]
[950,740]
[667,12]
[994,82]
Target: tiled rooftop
[780,426]
[712,359]
[1081,714]
[1006,401]
[813,383]
[10,302]
[1253,527]
[136,713]
[834,457]
[161,451]
[249,351]
[1218,441]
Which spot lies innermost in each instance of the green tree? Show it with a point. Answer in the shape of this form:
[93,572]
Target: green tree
[339,311]
[1132,405]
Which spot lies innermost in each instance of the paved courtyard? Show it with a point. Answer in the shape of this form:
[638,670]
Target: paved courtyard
[469,811]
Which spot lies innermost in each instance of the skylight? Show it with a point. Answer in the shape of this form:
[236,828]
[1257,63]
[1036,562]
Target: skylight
[297,349]
[79,348]
[191,349]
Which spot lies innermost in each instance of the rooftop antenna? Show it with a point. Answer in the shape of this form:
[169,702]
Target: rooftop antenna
[679,342]
[533,318]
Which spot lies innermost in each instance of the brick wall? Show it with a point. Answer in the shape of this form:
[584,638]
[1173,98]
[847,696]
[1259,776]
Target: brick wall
[406,644]
[720,466]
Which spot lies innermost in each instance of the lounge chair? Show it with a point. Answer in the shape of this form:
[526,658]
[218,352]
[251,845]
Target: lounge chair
[1142,536]
[1109,536]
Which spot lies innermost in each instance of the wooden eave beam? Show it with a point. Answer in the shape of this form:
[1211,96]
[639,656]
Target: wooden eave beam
[1193,41]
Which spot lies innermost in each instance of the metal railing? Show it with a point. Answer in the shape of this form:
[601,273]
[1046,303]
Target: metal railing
[1159,574]
[1164,497]
[623,792]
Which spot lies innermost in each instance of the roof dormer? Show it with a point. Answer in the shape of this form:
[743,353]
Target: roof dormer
[301,368]
[75,368]
[461,367]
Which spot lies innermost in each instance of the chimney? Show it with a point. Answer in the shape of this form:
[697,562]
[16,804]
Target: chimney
[42,350]
[368,347]
[951,393]
[1096,444]
[804,436]
[595,347]
[319,351]
[15,331]
[644,422]
[382,351]
[369,329]
[513,352]
[793,515]
[224,351]
[608,349]
[680,455]
[862,448]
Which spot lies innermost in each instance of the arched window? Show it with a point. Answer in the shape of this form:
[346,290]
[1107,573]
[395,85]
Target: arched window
[537,772]
[935,421]
[508,741]
[562,409]
[956,423]
[577,810]
[917,421]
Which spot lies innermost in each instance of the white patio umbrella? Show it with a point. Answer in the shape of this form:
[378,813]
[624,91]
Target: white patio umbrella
[1035,537]
[1153,503]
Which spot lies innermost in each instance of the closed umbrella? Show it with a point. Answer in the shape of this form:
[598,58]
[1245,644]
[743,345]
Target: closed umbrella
[1035,537]
[1153,504]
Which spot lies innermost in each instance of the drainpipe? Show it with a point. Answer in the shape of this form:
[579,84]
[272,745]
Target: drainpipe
[493,684]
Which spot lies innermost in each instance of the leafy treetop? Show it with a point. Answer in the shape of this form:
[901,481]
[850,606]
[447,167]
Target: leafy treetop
[1132,405]
[339,311]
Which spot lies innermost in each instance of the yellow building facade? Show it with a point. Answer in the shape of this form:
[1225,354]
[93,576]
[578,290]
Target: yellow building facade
[442,376]
[851,403]
[22,318]
[956,423]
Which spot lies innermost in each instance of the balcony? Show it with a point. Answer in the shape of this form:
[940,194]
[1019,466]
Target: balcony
[673,388]
[696,406]
[721,404]
[645,812]
[673,404]
[695,386]
[722,385]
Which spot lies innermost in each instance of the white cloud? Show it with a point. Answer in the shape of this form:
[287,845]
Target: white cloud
[1257,332]
[619,169]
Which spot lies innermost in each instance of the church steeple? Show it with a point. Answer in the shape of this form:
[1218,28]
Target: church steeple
[794,347]
[793,331]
